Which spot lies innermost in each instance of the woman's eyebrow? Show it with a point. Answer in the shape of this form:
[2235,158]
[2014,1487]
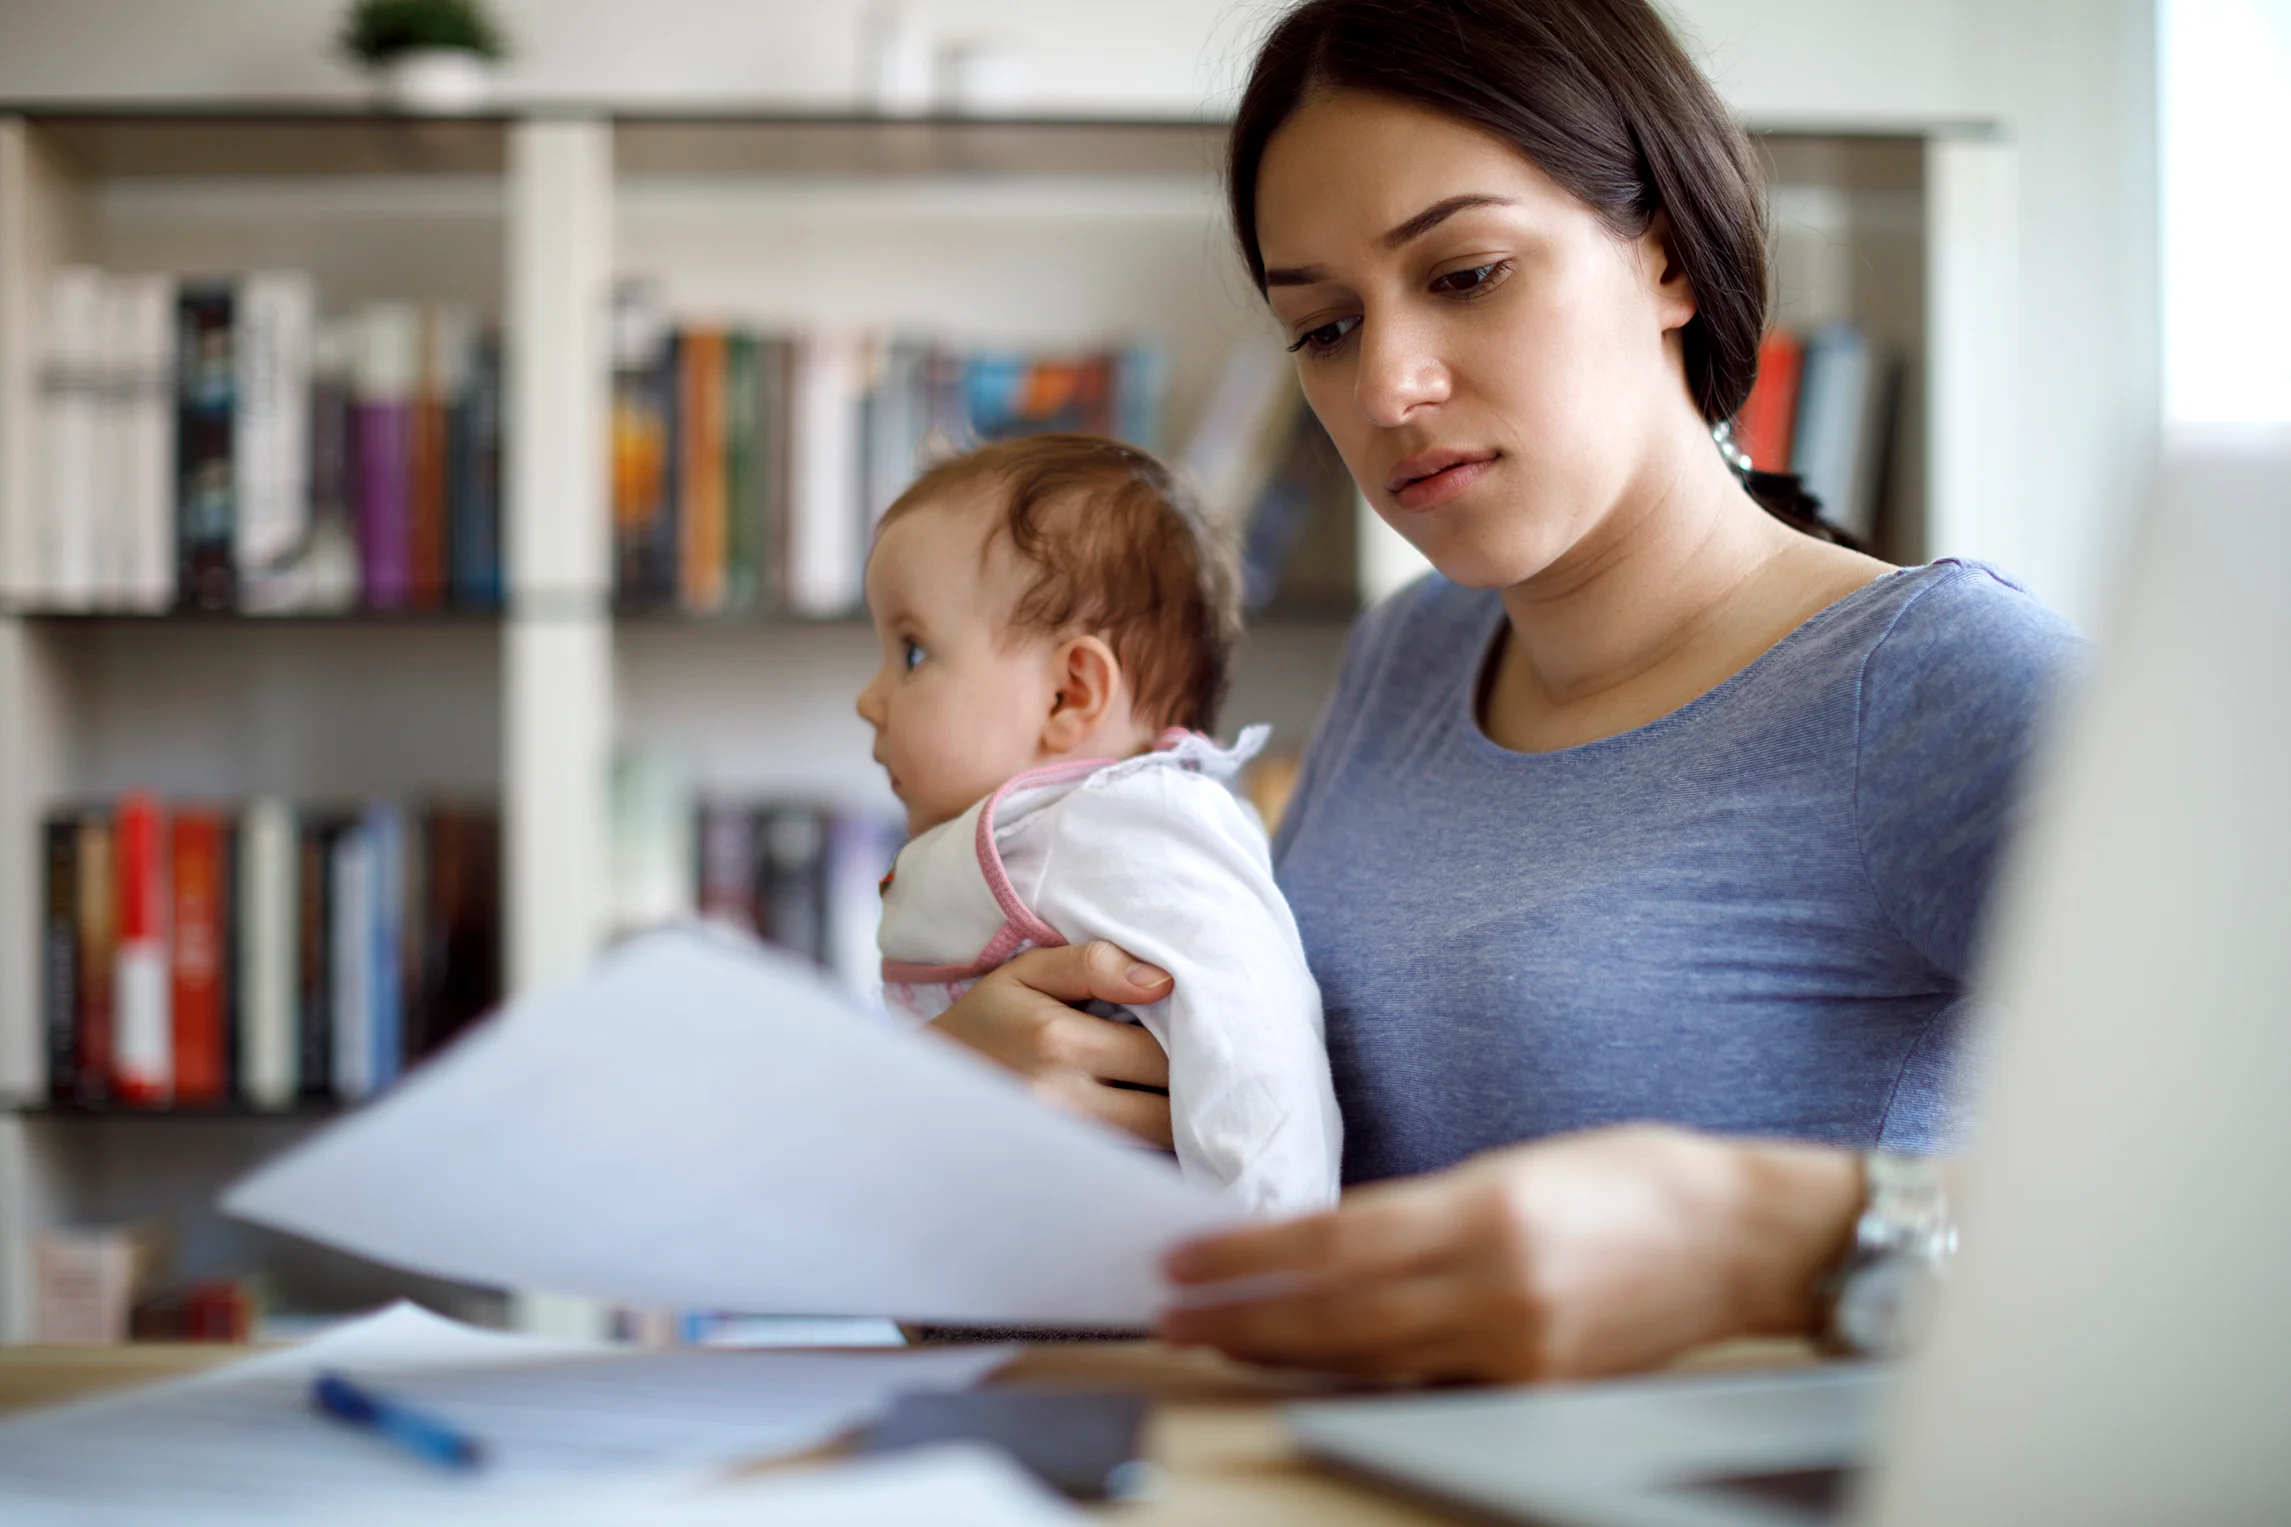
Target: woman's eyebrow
[1403,233]
[1436,214]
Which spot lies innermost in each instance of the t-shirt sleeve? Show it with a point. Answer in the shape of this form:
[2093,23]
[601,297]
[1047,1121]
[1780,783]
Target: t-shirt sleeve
[1954,700]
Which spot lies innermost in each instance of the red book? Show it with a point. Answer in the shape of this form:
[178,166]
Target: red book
[201,1043]
[143,1041]
[426,464]
[1763,427]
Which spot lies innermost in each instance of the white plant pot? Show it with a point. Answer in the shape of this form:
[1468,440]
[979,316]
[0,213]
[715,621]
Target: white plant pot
[437,82]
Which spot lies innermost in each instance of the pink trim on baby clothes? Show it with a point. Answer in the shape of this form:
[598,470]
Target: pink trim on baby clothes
[1021,929]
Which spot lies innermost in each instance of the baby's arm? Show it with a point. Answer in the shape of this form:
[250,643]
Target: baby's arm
[1170,867]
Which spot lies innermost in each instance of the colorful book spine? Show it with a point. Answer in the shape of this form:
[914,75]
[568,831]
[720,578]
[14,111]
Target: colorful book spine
[98,959]
[1764,425]
[444,339]
[197,877]
[385,829]
[266,934]
[148,456]
[825,534]
[314,944]
[700,468]
[460,947]
[60,955]
[274,315]
[728,865]
[143,1060]
[476,481]
[383,374]
[743,473]
[774,357]
[207,488]
[641,443]
[351,916]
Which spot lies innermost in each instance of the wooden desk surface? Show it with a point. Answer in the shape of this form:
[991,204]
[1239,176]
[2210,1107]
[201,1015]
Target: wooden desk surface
[1214,1431]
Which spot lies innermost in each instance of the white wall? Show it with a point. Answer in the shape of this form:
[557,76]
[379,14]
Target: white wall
[2071,82]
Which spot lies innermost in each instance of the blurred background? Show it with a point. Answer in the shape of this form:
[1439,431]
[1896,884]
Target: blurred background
[437,446]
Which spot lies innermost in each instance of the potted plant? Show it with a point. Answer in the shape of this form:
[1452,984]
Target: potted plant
[432,56]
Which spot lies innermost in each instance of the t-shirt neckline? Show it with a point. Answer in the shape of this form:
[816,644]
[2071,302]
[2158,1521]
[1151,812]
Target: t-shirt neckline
[1466,697]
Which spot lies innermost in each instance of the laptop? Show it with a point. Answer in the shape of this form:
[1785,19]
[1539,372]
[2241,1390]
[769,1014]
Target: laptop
[2112,1344]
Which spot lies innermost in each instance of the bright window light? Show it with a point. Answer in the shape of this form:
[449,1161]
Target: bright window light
[2226,110]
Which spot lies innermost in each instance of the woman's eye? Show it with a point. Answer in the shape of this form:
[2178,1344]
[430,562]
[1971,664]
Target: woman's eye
[1473,280]
[911,656]
[1327,337]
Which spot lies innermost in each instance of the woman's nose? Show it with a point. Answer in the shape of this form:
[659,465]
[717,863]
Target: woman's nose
[1400,370]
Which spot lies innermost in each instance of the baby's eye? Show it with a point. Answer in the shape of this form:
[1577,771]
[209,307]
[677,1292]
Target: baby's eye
[911,655]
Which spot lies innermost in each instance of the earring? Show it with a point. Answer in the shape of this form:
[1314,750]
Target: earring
[1722,436]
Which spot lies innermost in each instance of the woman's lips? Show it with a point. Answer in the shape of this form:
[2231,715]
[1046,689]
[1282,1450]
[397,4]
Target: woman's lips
[1429,482]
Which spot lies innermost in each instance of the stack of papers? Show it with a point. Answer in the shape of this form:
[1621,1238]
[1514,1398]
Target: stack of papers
[705,1124]
[572,1431]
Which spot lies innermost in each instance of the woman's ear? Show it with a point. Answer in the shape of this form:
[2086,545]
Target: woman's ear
[1666,277]
[1087,685]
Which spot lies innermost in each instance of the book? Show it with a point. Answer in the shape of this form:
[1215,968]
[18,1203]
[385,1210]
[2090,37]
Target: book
[743,471]
[143,1039]
[99,908]
[1840,432]
[775,358]
[791,891]
[206,437]
[701,469]
[350,916]
[475,489]
[385,363]
[198,881]
[73,411]
[265,926]
[1246,431]
[145,440]
[1764,425]
[640,443]
[314,954]
[384,827]
[273,315]
[60,956]
[442,376]
[728,865]
[825,533]
[460,954]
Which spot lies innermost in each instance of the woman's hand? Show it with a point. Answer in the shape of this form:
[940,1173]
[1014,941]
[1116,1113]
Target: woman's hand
[1598,1253]
[1019,1016]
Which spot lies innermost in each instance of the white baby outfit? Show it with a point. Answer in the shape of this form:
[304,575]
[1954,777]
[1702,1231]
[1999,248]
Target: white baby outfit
[1155,854]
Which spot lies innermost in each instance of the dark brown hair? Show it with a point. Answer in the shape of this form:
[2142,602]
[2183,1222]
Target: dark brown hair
[1600,97]
[1120,551]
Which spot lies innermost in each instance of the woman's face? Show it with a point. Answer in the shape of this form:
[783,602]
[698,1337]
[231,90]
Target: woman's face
[1500,372]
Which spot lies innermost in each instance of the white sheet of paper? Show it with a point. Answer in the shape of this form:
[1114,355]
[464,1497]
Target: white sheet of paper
[710,1125]
[563,1424]
[953,1486]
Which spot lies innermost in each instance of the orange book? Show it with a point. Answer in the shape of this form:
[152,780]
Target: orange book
[1764,425]
[195,958]
[707,527]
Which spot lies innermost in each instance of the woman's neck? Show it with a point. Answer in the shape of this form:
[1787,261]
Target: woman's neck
[1670,594]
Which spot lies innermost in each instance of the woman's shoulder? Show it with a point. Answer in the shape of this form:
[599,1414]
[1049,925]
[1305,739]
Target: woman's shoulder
[1961,633]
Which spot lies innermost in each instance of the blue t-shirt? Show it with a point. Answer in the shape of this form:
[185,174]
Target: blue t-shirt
[1754,915]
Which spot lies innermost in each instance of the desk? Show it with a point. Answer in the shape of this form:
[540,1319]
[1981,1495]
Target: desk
[1213,1430]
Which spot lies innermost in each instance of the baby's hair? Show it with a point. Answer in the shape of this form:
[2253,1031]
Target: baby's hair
[1120,551]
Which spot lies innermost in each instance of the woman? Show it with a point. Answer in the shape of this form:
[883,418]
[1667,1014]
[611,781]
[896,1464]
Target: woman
[1660,805]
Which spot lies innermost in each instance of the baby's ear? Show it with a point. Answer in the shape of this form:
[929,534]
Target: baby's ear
[1087,684]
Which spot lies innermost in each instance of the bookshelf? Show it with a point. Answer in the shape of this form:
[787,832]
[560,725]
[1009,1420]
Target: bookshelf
[1044,232]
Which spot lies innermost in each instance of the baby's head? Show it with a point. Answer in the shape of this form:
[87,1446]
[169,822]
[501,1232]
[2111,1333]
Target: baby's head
[1051,598]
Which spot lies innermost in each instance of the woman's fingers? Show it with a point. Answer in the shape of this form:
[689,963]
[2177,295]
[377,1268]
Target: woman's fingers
[1105,1050]
[1096,971]
[1375,1324]
[1143,1114]
[1380,1229]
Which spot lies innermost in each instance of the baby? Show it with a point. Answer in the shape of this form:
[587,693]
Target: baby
[1056,633]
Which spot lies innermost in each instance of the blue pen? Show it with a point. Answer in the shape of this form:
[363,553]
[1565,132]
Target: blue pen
[424,1436]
